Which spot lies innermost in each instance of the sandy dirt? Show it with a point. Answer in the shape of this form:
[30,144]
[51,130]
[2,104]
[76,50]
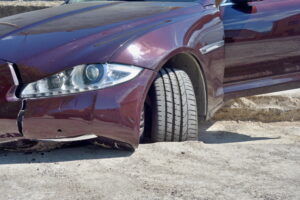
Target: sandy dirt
[236,160]
[8,8]
[273,107]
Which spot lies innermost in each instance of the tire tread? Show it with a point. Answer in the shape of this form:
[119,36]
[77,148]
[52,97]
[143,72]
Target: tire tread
[174,116]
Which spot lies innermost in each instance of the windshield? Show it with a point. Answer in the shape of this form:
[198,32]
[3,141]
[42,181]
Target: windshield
[79,1]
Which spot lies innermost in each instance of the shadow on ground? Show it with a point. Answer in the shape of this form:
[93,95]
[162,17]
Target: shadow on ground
[76,151]
[221,137]
[87,151]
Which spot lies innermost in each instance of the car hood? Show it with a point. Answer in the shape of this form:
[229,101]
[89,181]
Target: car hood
[46,41]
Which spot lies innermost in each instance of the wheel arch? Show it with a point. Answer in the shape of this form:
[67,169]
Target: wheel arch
[187,62]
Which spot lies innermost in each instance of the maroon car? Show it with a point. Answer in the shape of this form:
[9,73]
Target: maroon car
[123,70]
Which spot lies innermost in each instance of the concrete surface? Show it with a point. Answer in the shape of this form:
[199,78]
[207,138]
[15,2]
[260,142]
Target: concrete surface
[236,160]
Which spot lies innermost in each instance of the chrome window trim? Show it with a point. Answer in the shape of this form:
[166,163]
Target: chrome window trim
[14,74]
[226,3]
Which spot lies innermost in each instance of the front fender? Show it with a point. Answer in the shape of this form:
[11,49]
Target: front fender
[154,49]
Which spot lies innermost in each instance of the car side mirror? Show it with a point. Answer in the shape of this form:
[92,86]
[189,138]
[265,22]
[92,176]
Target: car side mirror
[240,2]
[244,6]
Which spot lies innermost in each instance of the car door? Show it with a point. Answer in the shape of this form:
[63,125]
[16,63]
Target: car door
[262,41]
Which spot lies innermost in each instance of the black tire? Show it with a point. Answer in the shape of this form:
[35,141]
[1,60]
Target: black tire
[142,126]
[174,107]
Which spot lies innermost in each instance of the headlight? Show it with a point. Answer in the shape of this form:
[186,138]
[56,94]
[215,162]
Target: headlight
[81,78]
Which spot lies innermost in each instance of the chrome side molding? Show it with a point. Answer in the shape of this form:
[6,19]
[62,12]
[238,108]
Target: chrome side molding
[211,47]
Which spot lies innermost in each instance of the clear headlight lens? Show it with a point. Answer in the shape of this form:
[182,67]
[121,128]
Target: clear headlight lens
[81,78]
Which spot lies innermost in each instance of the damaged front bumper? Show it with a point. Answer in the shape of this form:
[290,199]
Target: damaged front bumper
[111,113]
[9,107]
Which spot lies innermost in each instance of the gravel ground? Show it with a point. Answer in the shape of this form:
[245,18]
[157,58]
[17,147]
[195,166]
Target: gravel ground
[236,160]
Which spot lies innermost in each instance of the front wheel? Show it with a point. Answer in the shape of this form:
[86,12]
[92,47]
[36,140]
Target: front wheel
[174,107]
